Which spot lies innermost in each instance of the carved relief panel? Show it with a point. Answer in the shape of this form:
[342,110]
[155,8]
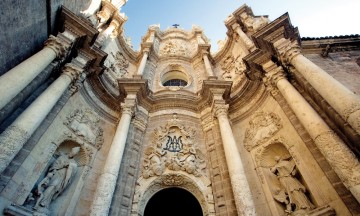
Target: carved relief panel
[116,69]
[173,147]
[233,69]
[85,124]
[262,126]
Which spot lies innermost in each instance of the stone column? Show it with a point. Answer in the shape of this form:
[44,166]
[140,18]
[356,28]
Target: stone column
[107,180]
[345,102]
[16,79]
[142,65]
[339,156]
[240,186]
[248,43]
[19,132]
[208,68]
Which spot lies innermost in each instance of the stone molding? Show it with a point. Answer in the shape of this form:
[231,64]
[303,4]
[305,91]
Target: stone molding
[57,45]
[72,71]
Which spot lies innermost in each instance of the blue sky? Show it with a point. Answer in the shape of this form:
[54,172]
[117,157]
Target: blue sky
[314,18]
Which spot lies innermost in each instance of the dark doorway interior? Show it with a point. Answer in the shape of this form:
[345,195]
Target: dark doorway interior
[174,202]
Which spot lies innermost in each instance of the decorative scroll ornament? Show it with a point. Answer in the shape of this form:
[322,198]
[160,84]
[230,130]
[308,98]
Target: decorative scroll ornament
[262,127]
[233,69]
[173,48]
[117,69]
[85,124]
[173,148]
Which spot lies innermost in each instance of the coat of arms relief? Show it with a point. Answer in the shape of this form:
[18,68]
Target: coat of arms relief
[173,148]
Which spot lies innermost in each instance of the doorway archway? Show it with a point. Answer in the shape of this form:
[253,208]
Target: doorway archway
[173,201]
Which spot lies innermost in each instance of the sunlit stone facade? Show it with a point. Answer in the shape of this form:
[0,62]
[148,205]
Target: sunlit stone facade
[267,125]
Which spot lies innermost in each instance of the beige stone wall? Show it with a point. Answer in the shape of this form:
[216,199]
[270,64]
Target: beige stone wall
[343,66]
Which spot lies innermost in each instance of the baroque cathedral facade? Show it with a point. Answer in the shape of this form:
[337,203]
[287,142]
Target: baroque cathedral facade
[267,125]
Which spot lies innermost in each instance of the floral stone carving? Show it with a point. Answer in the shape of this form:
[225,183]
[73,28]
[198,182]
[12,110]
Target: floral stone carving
[173,148]
[233,69]
[261,127]
[85,124]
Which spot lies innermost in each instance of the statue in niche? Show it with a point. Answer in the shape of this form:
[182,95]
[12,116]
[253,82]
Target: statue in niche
[60,175]
[292,193]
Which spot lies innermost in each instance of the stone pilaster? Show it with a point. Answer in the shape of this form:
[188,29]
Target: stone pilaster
[339,156]
[16,135]
[107,180]
[240,186]
[15,80]
[345,102]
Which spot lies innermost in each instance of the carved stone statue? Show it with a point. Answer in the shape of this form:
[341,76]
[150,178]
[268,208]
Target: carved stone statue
[59,176]
[292,193]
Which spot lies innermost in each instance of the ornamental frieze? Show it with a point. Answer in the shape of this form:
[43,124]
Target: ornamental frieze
[173,148]
[85,125]
[262,126]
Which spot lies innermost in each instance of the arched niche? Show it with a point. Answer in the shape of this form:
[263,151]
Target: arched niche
[64,202]
[286,190]
[199,187]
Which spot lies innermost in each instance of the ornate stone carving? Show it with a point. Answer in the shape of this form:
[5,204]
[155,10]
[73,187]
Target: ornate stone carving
[262,126]
[59,46]
[221,110]
[292,192]
[117,69]
[173,48]
[59,176]
[233,69]
[85,124]
[253,23]
[174,150]
[172,179]
[287,49]
[72,71]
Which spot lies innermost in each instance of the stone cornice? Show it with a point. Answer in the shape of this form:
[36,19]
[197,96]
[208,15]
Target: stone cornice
[319,45]
[272,32]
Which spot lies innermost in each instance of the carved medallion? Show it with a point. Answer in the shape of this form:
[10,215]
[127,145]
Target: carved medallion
[262,126]
[85,124]
[173,148]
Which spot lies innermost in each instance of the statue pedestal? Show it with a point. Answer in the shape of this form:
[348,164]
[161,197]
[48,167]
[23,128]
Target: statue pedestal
[16,210]
[320,211]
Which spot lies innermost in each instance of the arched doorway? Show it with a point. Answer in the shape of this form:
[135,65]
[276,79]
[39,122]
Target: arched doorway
[173,201]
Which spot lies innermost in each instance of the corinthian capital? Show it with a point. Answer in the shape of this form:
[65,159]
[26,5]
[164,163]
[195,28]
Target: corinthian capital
[221,110]
[72,71]
[56,44]
[128,107]
[273,74]
[287,49]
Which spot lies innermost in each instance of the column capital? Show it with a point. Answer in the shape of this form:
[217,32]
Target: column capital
[57,45]
[128,107]
[273,74]
[287,49]
[72,71]
[221,110]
